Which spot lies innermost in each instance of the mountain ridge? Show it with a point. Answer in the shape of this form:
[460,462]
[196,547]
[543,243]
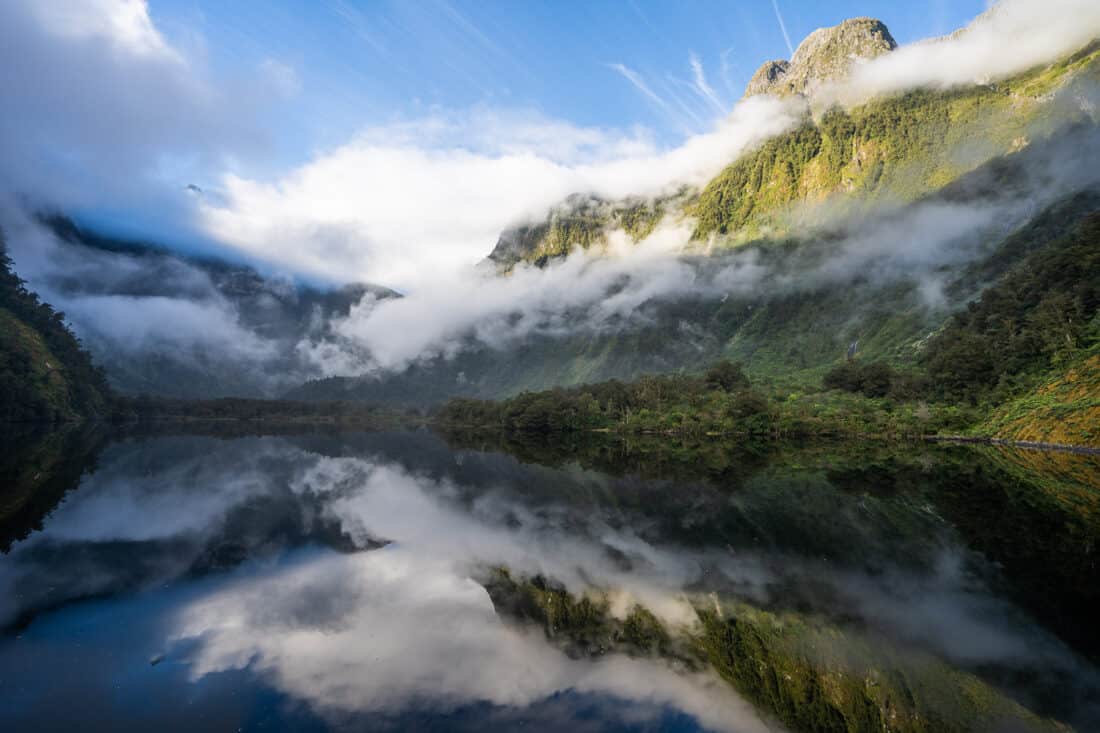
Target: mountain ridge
[890,149]
[827,54]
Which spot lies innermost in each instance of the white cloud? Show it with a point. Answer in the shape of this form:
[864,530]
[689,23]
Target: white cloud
[1012,37]
[452,310]
[102,111]
[702,88]
[125,24]
[389,209]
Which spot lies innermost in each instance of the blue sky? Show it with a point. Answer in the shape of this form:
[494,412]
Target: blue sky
[355,63]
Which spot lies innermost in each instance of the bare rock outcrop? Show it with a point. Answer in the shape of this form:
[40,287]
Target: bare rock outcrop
[825,55]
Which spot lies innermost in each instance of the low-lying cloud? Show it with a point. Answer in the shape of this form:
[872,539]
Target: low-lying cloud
[159,323]
[616,289]
[393,208]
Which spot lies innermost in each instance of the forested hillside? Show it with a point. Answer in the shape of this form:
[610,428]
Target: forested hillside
[45,373]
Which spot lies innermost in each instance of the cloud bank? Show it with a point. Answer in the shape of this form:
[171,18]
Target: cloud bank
[404,202]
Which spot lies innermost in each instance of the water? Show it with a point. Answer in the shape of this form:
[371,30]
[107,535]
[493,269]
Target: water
[408,580]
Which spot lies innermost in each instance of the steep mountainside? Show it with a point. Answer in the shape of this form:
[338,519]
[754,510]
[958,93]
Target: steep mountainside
[795,322]
[45,374]
[838,161]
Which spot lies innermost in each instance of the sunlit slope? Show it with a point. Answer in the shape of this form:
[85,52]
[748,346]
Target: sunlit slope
[786,337]
[1064,409]
[893,150]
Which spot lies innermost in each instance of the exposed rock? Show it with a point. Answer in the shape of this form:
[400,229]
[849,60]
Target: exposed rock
[766,77]
[826,54]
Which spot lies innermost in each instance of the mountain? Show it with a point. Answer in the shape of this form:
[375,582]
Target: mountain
[45,374]
[165,323]
[826,55]
[893,149]
[865,228]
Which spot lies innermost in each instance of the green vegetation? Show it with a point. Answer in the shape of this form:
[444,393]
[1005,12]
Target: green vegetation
[1043,314]
[720,399]
[898,148]
[45,374]
[1020,361]
[720,402]
[579,222]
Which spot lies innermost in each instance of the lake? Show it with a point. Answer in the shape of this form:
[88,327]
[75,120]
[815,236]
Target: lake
[321,580]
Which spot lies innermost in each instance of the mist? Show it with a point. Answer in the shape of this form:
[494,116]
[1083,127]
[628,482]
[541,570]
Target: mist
[617,288]
[159,322]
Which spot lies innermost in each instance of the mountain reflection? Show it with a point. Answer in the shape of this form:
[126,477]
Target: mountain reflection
[345,576]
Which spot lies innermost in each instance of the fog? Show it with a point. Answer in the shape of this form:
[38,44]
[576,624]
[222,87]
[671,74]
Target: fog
[615,289]
[161,323]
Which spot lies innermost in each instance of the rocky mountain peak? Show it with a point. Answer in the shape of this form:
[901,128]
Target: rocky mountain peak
[825,55]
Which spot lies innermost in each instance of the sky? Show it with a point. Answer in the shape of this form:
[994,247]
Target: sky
[338,140]
[352,63]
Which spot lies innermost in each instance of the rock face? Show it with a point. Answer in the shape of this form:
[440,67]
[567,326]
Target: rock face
[767,77]
[825,55]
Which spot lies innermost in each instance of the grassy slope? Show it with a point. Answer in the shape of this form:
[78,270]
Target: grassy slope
[896,149]
[1063,409]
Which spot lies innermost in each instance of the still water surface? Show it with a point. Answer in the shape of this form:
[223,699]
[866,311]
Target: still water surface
[403,580]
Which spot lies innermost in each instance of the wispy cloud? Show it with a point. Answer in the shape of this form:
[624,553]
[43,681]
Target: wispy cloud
[700,83]
[783,27]
[639,83]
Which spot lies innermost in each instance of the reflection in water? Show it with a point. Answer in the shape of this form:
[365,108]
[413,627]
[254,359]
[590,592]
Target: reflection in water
[340,581]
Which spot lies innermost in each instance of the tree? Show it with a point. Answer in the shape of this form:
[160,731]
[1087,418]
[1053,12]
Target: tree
[726,376]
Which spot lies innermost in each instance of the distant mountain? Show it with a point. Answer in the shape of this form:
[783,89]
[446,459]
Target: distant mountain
[165,323]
